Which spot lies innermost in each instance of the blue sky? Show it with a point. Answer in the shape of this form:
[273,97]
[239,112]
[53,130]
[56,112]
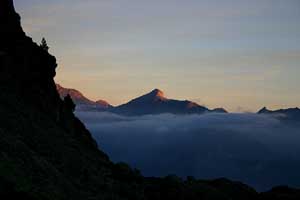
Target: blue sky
[238,54]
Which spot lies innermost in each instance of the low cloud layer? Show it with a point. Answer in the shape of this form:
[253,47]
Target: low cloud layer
[256,149]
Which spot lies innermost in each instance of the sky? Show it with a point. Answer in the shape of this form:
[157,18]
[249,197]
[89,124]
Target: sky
[237,54]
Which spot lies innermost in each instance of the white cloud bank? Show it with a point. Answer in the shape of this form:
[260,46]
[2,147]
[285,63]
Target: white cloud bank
[256,149]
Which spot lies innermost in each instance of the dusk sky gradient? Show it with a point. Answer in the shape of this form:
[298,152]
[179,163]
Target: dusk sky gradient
[237,54]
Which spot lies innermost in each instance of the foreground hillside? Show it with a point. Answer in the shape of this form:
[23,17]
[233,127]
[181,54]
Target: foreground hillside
[47,153]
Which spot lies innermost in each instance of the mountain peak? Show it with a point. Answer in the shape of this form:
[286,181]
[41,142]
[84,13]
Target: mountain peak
[264,110]
[153,96]
[157,93]
[219,110]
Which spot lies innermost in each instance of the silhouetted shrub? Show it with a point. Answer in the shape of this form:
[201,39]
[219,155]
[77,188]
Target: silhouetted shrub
[44,45]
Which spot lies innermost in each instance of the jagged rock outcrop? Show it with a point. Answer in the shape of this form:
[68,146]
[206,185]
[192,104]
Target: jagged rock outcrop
[47,153]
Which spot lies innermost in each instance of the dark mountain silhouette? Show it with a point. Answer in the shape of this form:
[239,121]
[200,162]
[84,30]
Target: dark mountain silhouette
[47,153]
[219,110]
[264,110]
[81,101]
[156,103]
[290,114]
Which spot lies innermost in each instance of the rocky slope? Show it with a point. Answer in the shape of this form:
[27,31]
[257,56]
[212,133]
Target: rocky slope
[47,153]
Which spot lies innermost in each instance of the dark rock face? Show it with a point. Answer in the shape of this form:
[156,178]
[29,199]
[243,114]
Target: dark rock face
[10,22]
[47,153]
[25,68]
[280,193]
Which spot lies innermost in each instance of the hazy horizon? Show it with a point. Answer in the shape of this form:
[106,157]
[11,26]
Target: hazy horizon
[240,55]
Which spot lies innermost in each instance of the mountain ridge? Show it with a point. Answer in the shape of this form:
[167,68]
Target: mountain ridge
[80,100]
[289,114]
[153,102]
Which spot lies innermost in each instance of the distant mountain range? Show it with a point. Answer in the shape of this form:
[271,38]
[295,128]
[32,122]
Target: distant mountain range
[81,101]
[153,102]
[290,114]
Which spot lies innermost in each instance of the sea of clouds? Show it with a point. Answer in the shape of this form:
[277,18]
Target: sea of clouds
[256,149]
